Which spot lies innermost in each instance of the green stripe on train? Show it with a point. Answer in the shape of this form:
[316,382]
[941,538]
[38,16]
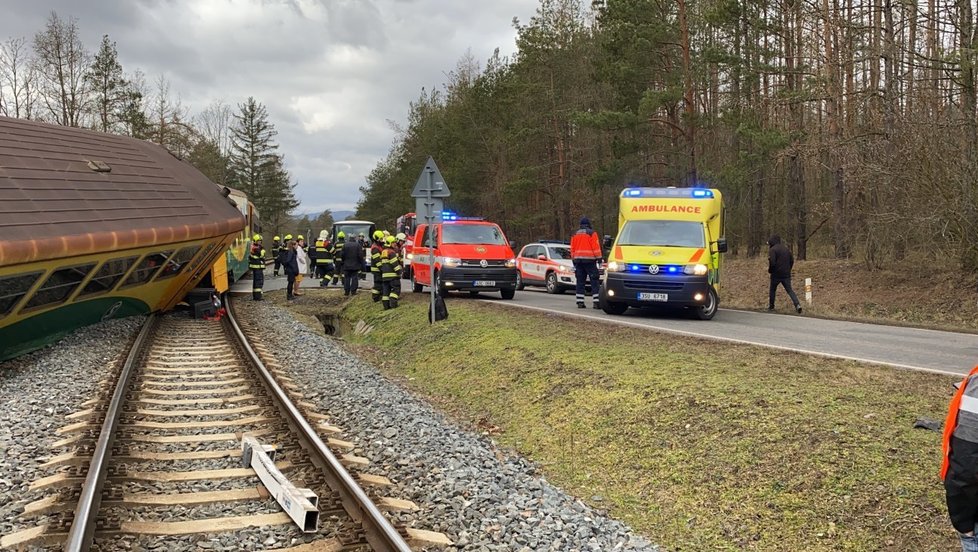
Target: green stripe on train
[46,328]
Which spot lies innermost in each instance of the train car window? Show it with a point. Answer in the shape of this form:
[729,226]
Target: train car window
[108,276]
[178,262]
[12,288]
[59,286]
[203,256]
[145,270]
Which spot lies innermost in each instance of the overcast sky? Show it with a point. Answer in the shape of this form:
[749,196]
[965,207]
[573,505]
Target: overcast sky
[332,73]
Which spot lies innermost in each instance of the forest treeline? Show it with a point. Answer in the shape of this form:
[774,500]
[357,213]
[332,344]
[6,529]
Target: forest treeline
[847,126]
[53,77]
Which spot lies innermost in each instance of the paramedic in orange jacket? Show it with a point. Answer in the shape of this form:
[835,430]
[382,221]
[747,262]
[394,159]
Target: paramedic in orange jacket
[586,254]
[960,468]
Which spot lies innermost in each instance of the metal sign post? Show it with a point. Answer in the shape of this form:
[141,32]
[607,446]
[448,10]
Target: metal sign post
[431,188]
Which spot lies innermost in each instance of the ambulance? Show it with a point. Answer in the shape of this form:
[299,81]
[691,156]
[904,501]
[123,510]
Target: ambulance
[667,252]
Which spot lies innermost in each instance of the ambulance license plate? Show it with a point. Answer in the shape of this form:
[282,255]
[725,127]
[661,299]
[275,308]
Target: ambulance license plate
[484,283]
[644,296]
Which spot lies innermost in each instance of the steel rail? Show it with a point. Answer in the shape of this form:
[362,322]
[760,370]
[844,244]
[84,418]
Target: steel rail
[379,532]
[82,531]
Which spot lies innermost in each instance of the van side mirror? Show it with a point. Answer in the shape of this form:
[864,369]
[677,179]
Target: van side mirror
[721,245]
[606,241]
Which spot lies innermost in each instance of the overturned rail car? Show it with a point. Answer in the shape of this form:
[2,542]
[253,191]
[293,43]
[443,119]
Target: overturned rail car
[96,226]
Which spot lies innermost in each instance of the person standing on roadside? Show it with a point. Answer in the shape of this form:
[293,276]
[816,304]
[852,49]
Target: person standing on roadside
[780,262]
[290,264]
[960,465]
[303,260]
[352,258]
[586,254]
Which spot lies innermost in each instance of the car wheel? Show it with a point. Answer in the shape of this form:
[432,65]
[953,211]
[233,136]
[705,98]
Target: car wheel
[519,280]
[418,288]
[552,286]
[613,308]
[708,310]
[507,293]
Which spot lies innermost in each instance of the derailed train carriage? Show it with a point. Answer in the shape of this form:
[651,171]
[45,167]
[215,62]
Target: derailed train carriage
[96,226]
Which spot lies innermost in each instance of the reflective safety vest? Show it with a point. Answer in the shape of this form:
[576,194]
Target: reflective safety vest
[966,401]
[338,253]
[323,253]
[375,251]
[584,245]
[256,260]
[390,265]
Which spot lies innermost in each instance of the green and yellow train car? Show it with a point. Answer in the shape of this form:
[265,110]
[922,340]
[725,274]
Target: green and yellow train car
[96,226]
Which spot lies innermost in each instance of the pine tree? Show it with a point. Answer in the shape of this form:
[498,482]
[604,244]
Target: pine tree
[256,168]
[108,85]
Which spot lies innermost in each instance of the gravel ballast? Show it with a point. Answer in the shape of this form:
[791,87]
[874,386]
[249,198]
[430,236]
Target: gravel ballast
[482,497]
[37,391]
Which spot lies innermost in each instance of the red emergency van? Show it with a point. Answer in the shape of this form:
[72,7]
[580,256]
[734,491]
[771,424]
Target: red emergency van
[470,255]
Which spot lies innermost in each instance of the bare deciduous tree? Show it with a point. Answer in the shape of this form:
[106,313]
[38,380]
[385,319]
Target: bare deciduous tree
[61,64]
[18,80]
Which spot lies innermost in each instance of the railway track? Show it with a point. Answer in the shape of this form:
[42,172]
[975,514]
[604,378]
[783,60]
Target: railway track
[158,458]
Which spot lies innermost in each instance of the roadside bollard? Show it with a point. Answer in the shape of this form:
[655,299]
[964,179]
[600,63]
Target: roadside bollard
[808,290]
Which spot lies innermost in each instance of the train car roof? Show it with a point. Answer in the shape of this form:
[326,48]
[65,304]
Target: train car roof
[68,191]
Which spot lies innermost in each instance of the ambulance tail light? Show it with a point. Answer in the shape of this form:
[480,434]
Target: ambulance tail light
[696,269]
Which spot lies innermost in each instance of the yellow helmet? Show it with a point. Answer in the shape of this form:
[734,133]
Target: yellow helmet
[299,237]
[256,237]
[389,240]
[276,238]
[340,236]
[288,237]
[378,235]
[401,236]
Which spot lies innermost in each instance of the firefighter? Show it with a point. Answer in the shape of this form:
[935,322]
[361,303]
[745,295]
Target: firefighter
[375,250]
[283,248]
[276,251]
[390,274]
[324,259]
[256,262]
[399,241]
[337,254]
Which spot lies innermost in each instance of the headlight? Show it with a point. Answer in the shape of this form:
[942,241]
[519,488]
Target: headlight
[695,269]
[410,256]
[451,262]
[510,263]
[564,268]
[613,266]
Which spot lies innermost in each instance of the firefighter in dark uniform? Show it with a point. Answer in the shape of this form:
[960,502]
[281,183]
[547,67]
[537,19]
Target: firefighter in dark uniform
[283,248]
[375,250]
[337,253]
[276,251]
[324,259]
[390,274]
[256,262]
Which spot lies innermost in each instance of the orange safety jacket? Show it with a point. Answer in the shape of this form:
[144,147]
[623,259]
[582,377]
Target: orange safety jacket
[584,245]
[951,422]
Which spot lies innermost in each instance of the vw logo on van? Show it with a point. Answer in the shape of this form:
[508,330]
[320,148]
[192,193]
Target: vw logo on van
[653,269]
[484,263]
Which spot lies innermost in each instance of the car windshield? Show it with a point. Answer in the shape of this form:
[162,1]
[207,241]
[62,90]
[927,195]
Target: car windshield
[485,234]
[664,233]
[560,252]
[352,229]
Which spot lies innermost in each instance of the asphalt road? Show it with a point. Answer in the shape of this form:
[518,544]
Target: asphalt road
[915,349]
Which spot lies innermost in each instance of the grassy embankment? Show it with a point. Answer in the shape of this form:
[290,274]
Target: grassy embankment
[697,444]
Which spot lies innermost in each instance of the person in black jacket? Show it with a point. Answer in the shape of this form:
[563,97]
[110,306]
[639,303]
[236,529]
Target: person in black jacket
[291,266]
[780,262]
[352,260]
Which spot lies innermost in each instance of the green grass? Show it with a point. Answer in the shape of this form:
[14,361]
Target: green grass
[697,444]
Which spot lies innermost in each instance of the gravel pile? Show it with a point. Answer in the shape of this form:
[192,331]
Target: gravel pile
[37,391]
[483,499]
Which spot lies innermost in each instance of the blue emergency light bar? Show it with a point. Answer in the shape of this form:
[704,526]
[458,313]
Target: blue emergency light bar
[449,216]
[697,193]
[663,269]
